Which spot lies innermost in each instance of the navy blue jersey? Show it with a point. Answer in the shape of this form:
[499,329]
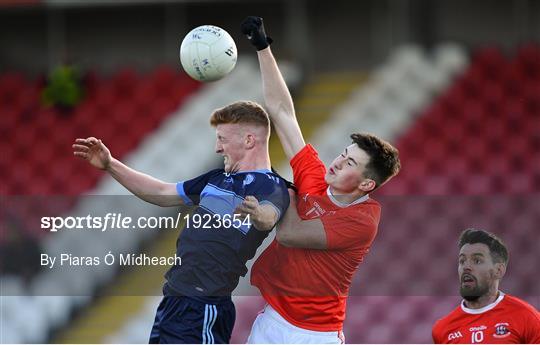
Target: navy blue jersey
[215,250]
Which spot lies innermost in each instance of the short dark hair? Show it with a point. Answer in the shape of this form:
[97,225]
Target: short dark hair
[241,112]
[497,248]
[383,158]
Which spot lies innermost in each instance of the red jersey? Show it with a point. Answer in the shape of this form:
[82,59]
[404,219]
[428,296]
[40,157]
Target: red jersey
[508,320]
[309,287]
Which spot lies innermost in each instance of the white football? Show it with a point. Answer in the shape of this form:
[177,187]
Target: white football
[208,53]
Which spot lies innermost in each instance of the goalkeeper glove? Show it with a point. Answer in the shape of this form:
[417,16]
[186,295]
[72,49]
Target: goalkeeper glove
[253,28]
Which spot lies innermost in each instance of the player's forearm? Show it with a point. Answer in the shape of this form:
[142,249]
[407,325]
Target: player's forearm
[276,94]
[285,230]
[294,232]
[144,186]
[280,105]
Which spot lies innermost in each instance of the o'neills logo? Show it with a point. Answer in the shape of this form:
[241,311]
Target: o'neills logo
[501,330]
[479,328]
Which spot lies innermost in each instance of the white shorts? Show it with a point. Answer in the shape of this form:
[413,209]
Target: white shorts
[271,328]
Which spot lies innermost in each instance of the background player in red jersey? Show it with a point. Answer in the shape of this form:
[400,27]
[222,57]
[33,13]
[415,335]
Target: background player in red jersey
[486,314]
[305,274]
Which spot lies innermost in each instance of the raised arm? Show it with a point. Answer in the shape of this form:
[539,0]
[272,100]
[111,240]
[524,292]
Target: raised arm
[144,186]
[277,97]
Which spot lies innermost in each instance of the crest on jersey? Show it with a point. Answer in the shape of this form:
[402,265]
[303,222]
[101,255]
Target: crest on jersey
[247,180]
[501,330]
[455,335]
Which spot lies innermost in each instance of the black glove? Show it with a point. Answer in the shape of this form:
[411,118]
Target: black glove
[253,28]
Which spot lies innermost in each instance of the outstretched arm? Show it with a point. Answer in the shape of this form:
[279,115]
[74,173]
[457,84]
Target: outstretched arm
[144,186]
[276,94]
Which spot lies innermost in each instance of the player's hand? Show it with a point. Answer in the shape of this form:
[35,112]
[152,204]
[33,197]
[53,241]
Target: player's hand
[249,207]
[93,151]
[253,28]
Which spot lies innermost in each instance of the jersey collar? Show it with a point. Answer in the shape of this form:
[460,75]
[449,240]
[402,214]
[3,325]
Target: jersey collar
[484,309]
[341,204]
[248,171]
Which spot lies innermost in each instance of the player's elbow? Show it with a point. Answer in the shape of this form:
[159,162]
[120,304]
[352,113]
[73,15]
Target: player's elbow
[166,195]
[284,238]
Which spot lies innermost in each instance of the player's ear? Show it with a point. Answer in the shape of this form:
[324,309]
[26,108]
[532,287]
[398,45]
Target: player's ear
[367,185]
[249,141]
[500,270]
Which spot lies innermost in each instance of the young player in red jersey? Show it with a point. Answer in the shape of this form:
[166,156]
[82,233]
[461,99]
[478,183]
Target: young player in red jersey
[305,274]
[486,315]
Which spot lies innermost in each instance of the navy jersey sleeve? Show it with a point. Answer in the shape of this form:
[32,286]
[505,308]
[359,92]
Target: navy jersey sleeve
[190,190]
[271,189]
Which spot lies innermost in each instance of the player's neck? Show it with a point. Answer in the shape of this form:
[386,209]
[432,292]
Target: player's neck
[483,301]
[345,198]
[254,162]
